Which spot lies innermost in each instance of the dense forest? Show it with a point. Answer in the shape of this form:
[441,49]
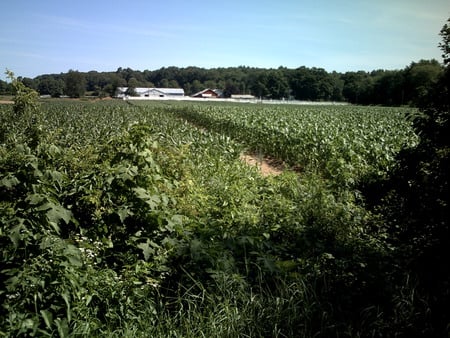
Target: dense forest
[407,86]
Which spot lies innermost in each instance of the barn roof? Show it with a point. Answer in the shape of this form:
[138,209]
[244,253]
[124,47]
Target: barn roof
[143,90]
[171,91]
[217,91]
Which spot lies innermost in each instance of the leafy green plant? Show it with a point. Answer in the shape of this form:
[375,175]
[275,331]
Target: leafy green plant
[25,109]
[131,219]
[414,201]
[25,99]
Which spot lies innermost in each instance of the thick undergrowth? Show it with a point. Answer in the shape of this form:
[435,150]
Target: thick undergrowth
[125,220]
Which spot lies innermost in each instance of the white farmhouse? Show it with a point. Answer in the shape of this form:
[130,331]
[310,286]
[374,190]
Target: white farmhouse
[121,92]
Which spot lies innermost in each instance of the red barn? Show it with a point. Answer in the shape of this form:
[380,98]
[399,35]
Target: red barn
[209,93]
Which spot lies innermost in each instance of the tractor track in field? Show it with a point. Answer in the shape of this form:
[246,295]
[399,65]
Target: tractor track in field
[266,165]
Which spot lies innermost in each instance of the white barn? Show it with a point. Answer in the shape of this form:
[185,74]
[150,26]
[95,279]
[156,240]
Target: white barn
[121,92]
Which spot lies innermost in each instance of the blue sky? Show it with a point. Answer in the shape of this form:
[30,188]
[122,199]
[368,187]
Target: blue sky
[41,37]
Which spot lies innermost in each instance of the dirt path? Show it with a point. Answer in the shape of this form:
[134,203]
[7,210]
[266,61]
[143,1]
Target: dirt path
[267,166]
[6,102]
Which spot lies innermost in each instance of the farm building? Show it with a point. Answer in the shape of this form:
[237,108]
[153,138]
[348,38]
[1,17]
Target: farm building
[242,97]
[121,92]
[209,93]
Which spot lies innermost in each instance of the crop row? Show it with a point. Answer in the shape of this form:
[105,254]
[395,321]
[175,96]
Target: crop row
[343,143]
[109,211]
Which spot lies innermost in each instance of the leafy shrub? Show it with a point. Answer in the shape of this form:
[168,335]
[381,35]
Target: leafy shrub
[414,201]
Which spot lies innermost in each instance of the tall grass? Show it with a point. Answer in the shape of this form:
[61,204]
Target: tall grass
[128,221]
[230,309]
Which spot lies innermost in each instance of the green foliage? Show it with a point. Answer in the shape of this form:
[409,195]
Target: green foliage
[344,144]
[131,91]
[414,201]
[58,230]
[50,85]
[422,77]
[75,84]
[382,87]
[25,114]
[5,88]
[445,43]
[25,98]
[139,219]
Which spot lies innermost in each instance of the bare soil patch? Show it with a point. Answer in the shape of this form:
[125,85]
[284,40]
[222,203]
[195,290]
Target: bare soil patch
[6,102]
[267,166]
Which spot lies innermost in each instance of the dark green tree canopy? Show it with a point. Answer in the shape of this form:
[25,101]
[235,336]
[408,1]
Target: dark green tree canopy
[385,87]
[75,84]
[445,43]
[415,199]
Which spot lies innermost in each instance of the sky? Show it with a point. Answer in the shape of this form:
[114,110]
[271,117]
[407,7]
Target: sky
[49,36]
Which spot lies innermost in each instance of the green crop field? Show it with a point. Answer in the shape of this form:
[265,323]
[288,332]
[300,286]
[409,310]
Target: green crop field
[140,219]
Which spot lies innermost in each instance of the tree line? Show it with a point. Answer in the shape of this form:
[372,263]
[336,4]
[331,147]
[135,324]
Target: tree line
[407,86]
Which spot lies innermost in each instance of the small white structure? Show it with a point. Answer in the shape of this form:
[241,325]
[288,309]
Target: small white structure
[242,97]
[121,92]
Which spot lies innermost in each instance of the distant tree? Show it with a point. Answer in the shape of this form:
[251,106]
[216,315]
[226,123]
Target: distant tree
[415,203]
[388,88]
[75,84]
[131,91]
[49,85]
[28,82]
[210,84]
[420,79]
[133,83]
[357,87]
[277,85]
[325,84]
[96,81]
[230,89]
[338,86]
[164,83]
[5,87]
[109,90]
[125,73]
[304,84]
[445,43]
[116,81]
[196,86]
[258,85]
[173,84]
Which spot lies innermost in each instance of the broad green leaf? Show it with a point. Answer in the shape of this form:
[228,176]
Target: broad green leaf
[62,326]
[73,255]
[141,193]
[48,318]
[123,213]
[147,250]
[17,232]
[66,296]
[9,181]
[35,199]
[56,212]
